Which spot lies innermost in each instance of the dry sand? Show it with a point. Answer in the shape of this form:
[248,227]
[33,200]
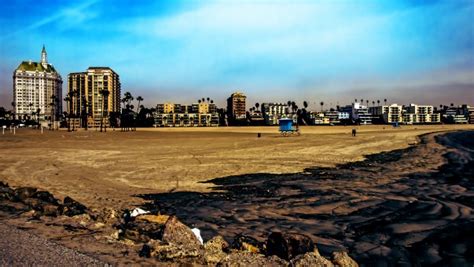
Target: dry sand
[376,209]
[107,169]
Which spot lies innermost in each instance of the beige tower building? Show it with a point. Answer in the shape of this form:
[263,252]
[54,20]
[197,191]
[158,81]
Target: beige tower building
[88,103]
[37,90]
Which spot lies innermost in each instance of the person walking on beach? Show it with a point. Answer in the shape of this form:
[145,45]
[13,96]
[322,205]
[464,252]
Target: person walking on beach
[354,132]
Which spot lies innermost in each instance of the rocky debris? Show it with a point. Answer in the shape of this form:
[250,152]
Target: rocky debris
[247,243]
[72,207]
[22,193]
[43,203]
[170,252]
[288,245]
[341,258]
[245,258]
[215,249]
[311,259]
[6,192]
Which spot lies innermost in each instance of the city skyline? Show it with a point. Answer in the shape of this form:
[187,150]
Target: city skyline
[273,51]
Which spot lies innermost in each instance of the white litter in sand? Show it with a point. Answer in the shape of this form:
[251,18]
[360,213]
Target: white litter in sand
[197,233]
[138,211]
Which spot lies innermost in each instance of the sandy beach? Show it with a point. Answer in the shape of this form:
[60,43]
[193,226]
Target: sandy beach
[400,202]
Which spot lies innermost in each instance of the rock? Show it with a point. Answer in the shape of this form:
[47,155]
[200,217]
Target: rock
[23,193]
[175,232]
[51,210]
[214,250]
[141,231]
[45,197]
[72,207]
[244,258]
[6,192]
[160,219]
[341,258]
[145,252]
[34,203]
[170,252]
[287,245]
[311,259]
[247,243]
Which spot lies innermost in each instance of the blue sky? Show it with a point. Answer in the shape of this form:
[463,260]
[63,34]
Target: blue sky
[179,51]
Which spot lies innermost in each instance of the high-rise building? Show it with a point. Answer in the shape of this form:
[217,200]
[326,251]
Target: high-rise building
[236,106]
[37,90]
[85,89]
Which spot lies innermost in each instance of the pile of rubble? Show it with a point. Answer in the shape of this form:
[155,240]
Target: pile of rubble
[167,239]
[41,203]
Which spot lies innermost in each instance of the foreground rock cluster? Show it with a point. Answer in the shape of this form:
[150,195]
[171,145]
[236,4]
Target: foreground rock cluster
[167,239]
[40,203]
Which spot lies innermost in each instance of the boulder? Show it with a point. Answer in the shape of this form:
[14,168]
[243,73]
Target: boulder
[72,207]
[45,197]
[23,193]
[342,259]
[34,203]
[51,210]
[244,259]
[141,231]
[311,259]
[288,245]
[6,192]
[175,232]
[247,243]
[168,252]
[214,250]
[159,219]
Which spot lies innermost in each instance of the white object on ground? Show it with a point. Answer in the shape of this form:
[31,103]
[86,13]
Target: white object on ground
[197,233]
[138,211]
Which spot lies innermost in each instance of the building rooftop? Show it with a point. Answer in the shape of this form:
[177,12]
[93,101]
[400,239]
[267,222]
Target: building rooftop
[36,66]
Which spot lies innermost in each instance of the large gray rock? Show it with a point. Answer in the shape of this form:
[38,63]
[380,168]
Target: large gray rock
[22,193]
[169,252]
[288,245]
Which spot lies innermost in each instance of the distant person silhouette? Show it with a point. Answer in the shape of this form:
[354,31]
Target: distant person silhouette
[354,132]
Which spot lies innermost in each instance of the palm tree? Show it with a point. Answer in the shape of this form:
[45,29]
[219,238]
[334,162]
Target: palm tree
[355,100]
[208,99]
[305,104]
[30,105]
[67,99]
[452,104]
[257,105]
[38,111]
[212,101]
[385,101]
[203,99]
[361,101]
[105,94]
[322,104]
[367,101]
[199,101]
[373,103]
[139,99]
[14,110]
[378,102]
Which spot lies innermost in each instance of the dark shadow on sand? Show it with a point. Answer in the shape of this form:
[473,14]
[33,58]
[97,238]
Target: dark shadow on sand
[377,209]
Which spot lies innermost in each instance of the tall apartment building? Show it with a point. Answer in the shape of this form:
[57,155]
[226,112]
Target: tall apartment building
[37,86]
[87,101]
[236,106]
[272,112]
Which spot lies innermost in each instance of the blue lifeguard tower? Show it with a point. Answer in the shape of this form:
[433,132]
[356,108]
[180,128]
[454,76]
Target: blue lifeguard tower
[287,128]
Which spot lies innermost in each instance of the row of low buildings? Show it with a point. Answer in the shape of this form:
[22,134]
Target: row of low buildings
[178,115]
[37,93]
